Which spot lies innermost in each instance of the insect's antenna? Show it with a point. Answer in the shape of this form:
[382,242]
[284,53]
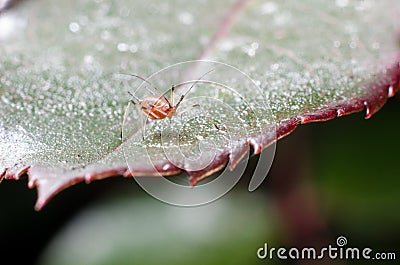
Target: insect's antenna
[134,97]
[146,81]
[190,88]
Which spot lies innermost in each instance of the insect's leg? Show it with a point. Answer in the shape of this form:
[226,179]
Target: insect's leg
[146,81]
[134,103]
[172,94]
[189,108]
[171,100]
[143,121]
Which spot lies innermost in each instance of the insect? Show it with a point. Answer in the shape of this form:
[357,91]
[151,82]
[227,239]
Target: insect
[159,108]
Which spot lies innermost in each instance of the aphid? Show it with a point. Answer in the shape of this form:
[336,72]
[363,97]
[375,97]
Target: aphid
[159,107]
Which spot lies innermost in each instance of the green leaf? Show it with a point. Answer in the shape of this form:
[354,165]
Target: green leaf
[63,98]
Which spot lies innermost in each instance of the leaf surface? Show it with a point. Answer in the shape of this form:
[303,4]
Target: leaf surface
[63,97]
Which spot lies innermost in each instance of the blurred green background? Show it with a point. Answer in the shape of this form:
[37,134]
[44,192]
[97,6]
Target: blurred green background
[328,179]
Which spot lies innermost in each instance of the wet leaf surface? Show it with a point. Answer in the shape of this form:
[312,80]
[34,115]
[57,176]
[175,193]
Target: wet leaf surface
[63,97]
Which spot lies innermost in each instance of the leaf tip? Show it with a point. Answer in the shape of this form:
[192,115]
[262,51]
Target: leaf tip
[368,112]
[391,91]
[2,175]
[256,146]
[340,112]
[193,181]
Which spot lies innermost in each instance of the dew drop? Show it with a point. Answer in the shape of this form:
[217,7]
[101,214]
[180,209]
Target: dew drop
[88,59]
[269,8]
[274,66]
[226,45]
[105,35]
[281,19]
[74,27]
[166,167]
[342,3]
[133,48]
[9,24]
[251,51]
[122,47]
[185,18]
[353,44]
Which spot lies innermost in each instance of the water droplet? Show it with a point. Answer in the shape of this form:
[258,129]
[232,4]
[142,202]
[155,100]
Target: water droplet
[122,47]
[9,24]
[269,8]
[105,35]
[282,19]
[88,59]
[133,48]
[353,44]
[254,45]
[185,18]
[74,27]
[342,3]
[337,44]
[274,66]
[226,45]
[251,51]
